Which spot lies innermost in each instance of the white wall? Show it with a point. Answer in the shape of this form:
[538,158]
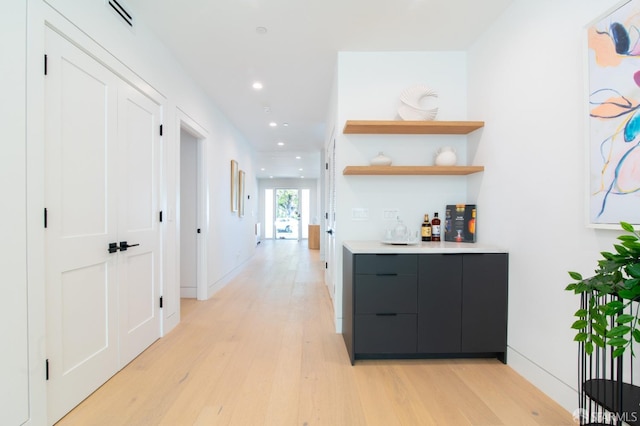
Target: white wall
[526,81]
[14,365]
[140,58]
[368,88]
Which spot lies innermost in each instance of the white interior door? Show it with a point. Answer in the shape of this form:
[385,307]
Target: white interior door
[81,293]
[102,176]
[138,266]
[330,216]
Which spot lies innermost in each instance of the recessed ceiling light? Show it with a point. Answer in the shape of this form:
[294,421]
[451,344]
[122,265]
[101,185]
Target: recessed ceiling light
[273,124]
[285,124]
[257,85]
[262,169]
[298,157]
[301,177]
[261,30]
[280,143]
[270,177]
[300,169]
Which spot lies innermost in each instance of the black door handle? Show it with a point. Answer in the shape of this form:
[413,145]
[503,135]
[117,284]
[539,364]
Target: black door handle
[330,231]
[124,246]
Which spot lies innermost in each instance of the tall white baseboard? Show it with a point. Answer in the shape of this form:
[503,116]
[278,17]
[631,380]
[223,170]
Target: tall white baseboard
[564,394]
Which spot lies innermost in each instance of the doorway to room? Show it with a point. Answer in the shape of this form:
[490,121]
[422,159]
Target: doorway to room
[193,220]
[286,213]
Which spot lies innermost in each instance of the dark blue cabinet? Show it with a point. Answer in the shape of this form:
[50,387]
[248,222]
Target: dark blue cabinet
[425,305]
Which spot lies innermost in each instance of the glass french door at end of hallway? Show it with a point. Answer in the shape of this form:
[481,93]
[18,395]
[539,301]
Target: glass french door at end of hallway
[287,213]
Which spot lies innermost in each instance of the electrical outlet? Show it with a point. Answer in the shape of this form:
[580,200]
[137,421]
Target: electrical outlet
[359,214]
[390,214]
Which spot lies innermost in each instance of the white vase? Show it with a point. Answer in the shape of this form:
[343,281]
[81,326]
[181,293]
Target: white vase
[446,156]
[380,160]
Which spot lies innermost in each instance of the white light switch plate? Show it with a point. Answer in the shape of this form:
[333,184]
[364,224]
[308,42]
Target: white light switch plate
[390,214]
[359,214]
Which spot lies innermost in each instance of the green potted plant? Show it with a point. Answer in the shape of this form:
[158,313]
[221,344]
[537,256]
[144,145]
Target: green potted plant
[609,317]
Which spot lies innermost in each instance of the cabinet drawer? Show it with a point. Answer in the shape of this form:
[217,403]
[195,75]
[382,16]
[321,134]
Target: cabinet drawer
[385,334]
[399,264]
[383,294]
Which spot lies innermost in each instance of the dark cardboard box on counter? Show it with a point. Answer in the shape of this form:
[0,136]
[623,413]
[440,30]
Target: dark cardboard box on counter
[460,223]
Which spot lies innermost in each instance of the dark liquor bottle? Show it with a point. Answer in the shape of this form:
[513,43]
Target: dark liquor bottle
[426,229]
[435,227]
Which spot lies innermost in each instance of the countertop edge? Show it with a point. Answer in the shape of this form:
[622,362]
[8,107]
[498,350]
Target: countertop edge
[374,247]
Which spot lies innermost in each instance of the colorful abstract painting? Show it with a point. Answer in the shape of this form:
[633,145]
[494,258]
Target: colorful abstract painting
[614,116]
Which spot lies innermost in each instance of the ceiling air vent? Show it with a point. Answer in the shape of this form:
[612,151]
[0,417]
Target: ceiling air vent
[121,11]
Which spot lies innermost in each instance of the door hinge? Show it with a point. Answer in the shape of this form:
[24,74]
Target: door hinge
[45,64]
[46,369]
[326,166]
[160,215]
[161,301]
[326,215]
[161,130]
[326,265]
[45,217]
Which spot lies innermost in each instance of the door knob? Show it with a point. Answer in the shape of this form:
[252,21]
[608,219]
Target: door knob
[124,245]
[330,231]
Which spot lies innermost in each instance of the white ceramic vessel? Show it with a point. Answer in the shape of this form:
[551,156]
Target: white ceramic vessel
[380,160]
[446,156]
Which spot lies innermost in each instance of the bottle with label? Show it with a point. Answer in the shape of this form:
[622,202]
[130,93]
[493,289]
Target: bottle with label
[435,227]
[426,229]
[472,222]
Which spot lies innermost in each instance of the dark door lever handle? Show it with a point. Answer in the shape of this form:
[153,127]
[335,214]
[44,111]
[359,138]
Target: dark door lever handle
[124,245]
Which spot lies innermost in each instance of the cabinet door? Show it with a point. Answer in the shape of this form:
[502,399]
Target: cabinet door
[385,294]
[484,302]
[385,334]
[439,303]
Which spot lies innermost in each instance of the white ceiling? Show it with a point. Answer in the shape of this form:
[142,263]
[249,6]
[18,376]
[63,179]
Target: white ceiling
[218,43]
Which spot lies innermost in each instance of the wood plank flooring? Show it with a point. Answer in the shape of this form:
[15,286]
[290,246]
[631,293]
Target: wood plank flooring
[263,351]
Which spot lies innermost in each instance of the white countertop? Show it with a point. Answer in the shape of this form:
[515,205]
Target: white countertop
[374,247]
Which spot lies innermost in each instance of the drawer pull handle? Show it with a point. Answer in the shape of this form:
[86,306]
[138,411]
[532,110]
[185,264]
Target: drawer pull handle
[386,315]
[386,275]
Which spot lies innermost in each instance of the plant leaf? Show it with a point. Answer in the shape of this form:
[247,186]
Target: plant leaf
[617,341]
[599,329]
[576,276]
[624,318]
[636,335]
[634,270]
[588,348]
[580,324]
[597,340]
[617,352]
[581,313]
[580,337]
[618,331]
[628,238]
[627,226]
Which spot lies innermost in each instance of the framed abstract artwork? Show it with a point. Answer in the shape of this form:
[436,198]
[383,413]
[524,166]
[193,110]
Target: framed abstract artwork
[234,186]
[613,63]
[241,195]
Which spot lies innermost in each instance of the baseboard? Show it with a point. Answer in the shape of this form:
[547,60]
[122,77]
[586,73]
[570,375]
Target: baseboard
[559,391]
[188,292]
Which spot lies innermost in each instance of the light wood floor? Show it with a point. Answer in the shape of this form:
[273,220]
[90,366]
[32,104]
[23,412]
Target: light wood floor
[263,350]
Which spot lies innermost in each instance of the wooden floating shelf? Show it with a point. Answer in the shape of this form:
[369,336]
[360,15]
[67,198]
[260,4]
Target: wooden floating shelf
[387,127]
[412,170]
